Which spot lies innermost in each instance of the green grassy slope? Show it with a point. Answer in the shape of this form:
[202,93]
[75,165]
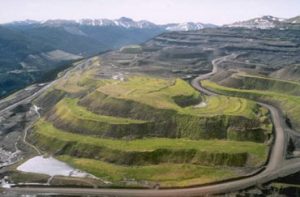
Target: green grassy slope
[156,92]
[244,81]
[289,103]
[67,114]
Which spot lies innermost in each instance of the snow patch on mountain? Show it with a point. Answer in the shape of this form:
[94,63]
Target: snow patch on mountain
[265,22]
[294,20]
[185,26]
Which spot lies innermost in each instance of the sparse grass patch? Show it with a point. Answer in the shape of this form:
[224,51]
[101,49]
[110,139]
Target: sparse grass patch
[82,80]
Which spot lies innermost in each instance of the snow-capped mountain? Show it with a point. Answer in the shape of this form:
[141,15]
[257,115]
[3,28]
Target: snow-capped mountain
[123,22]
[265,22]
[129,23]
[190,26]
[294,20]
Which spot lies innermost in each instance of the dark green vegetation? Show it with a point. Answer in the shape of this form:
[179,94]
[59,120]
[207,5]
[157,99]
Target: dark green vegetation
[24,60]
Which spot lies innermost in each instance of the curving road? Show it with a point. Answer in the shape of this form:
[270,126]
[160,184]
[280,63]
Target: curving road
[277,165]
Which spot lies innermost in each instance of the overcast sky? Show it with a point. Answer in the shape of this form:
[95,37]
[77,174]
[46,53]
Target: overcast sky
[158,11]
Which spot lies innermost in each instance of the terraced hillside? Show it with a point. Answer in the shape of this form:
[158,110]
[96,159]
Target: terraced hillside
[284,94]
[131,118]
[135,127]
[127,109]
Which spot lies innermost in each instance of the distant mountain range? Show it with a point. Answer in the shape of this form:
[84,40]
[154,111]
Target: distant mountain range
[123,22]
[267,22]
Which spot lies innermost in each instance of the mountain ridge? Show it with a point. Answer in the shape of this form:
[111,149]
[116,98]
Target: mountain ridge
[265,22]
[124,22]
